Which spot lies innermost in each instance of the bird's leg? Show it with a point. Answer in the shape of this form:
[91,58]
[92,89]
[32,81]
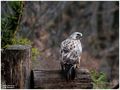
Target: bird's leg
[68,77]
[78,63]
[62,66]
[75,68]
[63,69]
[66,71]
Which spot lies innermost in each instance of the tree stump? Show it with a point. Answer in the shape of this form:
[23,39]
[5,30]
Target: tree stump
[16,60]
[52,79]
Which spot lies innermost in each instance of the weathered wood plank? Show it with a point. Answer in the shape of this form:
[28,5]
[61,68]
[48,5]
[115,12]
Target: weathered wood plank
[16,61]
[53,79]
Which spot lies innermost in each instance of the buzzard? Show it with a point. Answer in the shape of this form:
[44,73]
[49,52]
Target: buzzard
[71,50]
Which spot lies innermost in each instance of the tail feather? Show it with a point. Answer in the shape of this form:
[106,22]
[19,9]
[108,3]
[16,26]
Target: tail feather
[71,73]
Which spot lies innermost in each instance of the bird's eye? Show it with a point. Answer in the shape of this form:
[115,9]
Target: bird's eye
[78,37]
[78,34]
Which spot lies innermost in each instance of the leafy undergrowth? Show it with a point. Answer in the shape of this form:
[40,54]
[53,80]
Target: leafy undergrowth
[35,53]
[99,80]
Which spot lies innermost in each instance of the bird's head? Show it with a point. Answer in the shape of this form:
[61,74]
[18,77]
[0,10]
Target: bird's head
[76,35]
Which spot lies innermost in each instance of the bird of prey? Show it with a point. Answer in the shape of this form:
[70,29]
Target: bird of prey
[71,50]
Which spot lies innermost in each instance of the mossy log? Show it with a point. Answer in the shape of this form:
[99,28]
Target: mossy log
[16,61]
[53,79]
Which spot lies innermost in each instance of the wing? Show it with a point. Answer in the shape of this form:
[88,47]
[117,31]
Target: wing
[65,49]
[70,51]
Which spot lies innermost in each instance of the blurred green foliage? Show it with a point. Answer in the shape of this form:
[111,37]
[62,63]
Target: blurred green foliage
[9,27]
[35,53]
[99,80]
[21,41]
[10,21]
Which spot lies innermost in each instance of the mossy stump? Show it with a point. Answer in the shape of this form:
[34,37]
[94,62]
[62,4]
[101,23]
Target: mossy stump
[16,66]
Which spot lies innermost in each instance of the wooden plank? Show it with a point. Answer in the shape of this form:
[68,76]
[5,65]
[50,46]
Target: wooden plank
[53,79]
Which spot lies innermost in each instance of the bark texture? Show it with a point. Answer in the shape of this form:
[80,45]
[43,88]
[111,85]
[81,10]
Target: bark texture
[16,61]
[53,79]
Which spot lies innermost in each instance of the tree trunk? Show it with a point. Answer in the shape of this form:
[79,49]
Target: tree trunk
[16,61]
